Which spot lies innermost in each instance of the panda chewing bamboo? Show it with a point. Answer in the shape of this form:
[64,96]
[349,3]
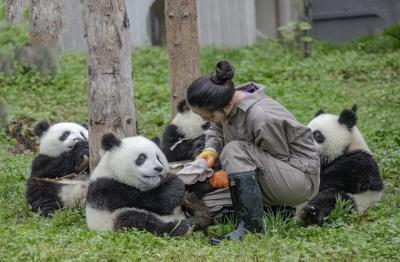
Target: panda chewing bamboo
[63,152]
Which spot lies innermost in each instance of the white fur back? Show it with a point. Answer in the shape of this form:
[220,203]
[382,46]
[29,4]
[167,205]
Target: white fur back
[357,141]
[189,124]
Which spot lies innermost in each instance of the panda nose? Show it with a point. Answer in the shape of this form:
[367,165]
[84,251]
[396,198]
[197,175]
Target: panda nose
[158,168]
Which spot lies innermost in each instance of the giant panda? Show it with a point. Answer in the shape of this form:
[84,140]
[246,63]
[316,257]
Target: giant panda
[131,187]
[184,137]
[348,168]
[63,151]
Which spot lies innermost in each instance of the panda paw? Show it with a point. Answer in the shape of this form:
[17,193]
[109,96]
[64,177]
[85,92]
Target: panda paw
[81,154]
[81,149]
[183,227]
[311,215]
[198,146]
[47,212]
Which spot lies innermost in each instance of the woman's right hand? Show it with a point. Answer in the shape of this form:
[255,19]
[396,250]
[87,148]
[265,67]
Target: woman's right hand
[210,155]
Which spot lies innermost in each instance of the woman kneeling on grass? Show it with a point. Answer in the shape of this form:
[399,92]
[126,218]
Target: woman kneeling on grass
[259,142]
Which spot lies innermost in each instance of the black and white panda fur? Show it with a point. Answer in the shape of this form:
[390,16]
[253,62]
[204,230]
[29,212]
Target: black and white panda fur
[131,187]
[63,150]
[184,137]
[348,168]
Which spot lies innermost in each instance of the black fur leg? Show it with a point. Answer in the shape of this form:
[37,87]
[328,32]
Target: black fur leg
[312,215]
[198,210]
[200,188]
[144,220]
[320,207]
[42,196]
[182,227]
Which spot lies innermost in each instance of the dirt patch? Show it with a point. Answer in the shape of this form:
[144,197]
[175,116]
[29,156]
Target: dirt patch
[22,131]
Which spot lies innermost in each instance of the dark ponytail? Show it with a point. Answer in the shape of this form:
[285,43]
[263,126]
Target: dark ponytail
[213,92]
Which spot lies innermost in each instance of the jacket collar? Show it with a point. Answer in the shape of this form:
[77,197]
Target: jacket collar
[255,93]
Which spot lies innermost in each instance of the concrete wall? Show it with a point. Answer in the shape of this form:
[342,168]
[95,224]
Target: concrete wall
[72,36]
[223,23]
[226,23]
[342,20]
[272,14]
[237,23]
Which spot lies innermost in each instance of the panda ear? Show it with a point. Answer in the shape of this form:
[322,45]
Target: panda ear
[182,106]
[40,128]
[156,140]
[354,108]
[348,117]
[319,112]
[109,141]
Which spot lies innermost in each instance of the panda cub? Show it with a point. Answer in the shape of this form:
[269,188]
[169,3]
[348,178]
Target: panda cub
[131,187]
[184,137]
[348,168]
[63,150]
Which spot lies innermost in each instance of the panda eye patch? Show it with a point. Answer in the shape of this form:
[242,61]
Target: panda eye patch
[140,159]
[64,135]
[317,135]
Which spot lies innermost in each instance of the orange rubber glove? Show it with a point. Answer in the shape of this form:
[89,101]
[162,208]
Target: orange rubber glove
[219,180]
[209,154]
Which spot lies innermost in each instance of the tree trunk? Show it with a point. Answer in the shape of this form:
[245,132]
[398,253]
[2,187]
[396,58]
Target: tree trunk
[183,47]
[45,22]
[110,89]
[14,10]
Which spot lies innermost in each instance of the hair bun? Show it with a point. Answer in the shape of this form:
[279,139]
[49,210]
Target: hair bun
[224,72]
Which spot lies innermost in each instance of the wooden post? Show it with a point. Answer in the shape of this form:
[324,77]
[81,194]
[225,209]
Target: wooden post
[110,89]
[183,47]
[45,22]
[14,10]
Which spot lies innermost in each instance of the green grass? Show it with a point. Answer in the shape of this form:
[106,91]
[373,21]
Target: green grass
[366,72]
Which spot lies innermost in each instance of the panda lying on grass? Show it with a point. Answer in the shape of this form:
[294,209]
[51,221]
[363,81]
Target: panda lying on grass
[63,151]
[131,187]
[348,168]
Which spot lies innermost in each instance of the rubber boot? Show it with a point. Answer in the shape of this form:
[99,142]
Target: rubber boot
[247,203]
